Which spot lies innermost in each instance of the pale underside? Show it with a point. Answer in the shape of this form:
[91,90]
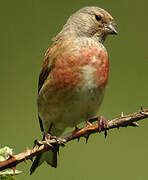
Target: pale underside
[66,108]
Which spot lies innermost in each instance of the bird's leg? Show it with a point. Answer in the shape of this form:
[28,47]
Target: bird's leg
[103,124]
[58,140]
[46,140]
[47,137]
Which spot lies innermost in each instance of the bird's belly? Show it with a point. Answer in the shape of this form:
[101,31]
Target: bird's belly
[83,106]
[68,108]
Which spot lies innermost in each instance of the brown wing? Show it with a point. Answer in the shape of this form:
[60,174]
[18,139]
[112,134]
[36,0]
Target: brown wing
[46,68]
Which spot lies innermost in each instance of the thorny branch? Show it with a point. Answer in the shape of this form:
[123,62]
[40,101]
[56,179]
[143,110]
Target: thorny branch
[122,121]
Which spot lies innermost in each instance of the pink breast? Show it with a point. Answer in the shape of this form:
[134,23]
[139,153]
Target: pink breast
[67,73]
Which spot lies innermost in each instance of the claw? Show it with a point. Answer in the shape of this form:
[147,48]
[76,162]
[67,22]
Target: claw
[49,137]
[37,143]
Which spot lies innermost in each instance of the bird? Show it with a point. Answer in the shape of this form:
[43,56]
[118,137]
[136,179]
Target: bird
[74,75]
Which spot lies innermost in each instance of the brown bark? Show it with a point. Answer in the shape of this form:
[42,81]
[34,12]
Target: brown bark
[122,121]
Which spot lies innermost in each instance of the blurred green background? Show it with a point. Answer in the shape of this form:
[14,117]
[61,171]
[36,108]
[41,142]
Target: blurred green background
[26,30]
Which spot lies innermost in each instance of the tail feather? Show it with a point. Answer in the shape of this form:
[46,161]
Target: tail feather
[50,157]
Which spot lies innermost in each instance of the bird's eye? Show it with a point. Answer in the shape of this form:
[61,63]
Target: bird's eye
[98,17]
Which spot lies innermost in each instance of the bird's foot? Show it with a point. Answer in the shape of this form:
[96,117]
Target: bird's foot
[48,137]
[37,143]
[103,125]
[54,140]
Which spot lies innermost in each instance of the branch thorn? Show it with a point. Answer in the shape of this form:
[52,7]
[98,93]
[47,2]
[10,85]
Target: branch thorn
[78,139]
[142,110]
[121,115]
[13,168]
[88,124]
[86,137]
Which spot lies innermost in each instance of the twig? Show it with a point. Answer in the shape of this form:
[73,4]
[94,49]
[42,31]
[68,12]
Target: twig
[122,121]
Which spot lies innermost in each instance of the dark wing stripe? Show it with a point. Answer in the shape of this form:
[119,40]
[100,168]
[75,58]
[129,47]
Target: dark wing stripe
[41,124]
[46,68]
[43,75]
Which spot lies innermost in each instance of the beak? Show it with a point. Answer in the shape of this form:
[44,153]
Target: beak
[111,29]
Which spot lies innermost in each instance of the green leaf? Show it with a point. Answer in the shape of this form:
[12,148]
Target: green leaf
[5,152]
[9,173]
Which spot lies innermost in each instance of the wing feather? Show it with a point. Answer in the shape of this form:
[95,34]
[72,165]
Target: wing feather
[46,69]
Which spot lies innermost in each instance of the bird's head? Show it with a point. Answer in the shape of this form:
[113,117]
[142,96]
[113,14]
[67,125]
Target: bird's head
[91,22]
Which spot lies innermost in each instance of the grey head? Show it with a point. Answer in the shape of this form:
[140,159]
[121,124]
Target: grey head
[89,22]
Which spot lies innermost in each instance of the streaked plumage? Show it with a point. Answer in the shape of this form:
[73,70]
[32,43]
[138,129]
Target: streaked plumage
[74,75]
